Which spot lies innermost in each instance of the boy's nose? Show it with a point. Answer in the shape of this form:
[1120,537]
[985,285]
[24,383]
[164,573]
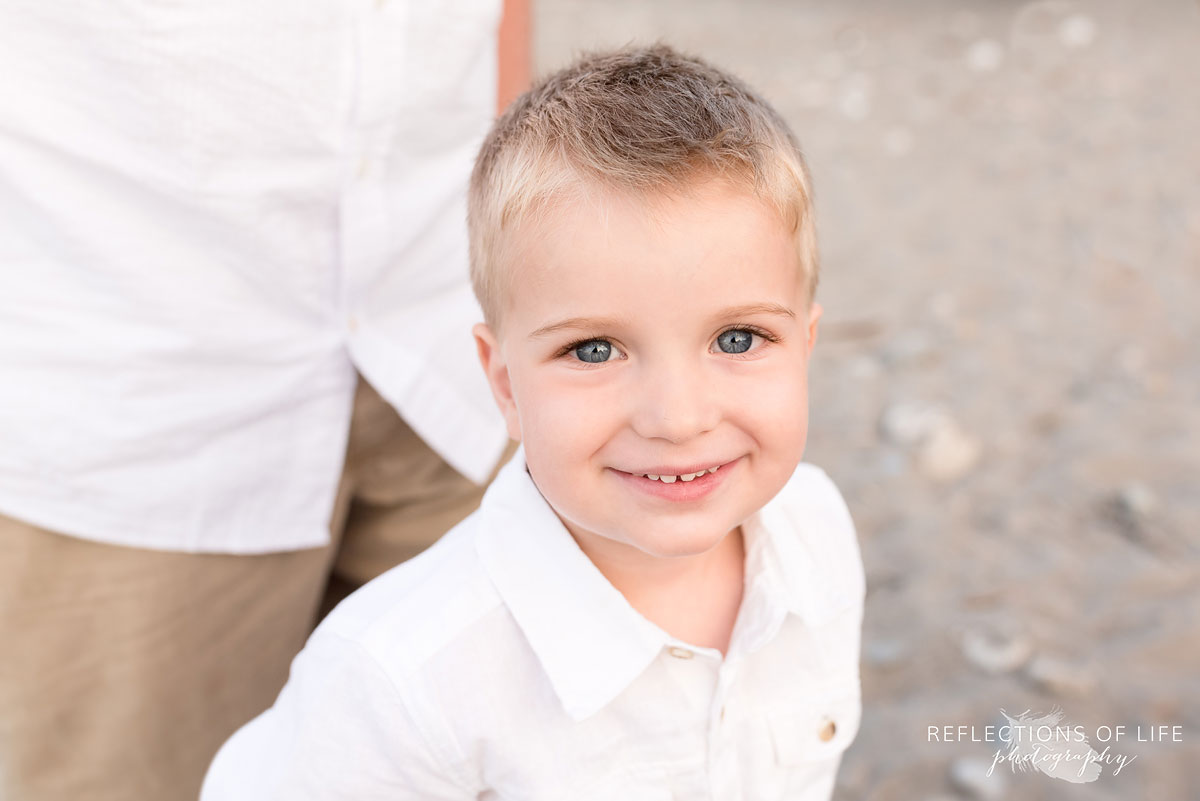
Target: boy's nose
[675,405]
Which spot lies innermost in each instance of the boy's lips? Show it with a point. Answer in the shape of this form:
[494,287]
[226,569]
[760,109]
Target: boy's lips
[677,471]
[686,473]
[704,480]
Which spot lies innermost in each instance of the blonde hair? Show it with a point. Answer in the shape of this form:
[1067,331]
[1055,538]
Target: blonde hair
[645,120]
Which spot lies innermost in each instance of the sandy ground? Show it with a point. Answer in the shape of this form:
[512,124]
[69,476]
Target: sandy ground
[1007,388]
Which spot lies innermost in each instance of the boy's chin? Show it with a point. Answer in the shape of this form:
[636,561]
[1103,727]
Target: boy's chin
[691,543]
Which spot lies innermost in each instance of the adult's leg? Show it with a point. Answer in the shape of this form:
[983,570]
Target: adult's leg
[396,499]
[124,669]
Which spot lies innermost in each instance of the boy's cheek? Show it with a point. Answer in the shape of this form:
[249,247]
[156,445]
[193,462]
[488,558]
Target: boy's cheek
[780,408]
[557,424]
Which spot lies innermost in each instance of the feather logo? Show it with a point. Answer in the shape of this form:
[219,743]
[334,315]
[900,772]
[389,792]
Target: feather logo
[1040,742]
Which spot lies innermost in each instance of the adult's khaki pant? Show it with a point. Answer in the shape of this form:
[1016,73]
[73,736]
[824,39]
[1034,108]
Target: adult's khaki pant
[123,670]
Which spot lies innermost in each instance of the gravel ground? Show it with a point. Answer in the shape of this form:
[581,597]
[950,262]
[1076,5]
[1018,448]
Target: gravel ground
[1006,388]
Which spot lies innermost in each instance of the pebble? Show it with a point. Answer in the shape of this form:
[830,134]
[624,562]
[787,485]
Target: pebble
[949,453]
[994,653]
[985,55]
[943,305]
[1136,503]
[910,422]
[1133,509]
[898,141]
[855,104]
[1061,676]
[863,368]
[1131,359]
[1077,30]
[911,348]
[855,99]
[884,652]
[969,775]
[890,462]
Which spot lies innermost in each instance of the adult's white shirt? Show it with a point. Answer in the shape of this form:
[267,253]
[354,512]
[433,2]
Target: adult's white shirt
[501,664]
[211,215]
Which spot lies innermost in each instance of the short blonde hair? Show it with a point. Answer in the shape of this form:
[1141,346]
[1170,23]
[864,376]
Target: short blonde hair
[646,120]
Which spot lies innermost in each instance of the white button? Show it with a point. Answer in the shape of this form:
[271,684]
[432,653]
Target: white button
[363,165]
[352,323]
[680,653]
[827,730]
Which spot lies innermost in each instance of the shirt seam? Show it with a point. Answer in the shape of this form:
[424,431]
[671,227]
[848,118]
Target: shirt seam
[456,775]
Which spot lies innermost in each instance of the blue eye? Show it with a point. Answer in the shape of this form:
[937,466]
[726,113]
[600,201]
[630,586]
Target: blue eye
[735,340]
[594,350]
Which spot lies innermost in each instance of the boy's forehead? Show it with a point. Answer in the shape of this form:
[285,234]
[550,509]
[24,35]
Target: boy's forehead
[672,222]
[657,245]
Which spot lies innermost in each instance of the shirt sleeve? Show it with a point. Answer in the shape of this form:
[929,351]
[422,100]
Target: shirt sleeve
[339,730]
[849,554]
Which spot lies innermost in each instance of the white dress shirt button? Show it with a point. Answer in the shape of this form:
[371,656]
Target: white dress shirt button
[827,730]
[680,653]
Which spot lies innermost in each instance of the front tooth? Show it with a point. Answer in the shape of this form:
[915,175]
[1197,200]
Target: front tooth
[652,477]
[690,476]
[713,469]
[667,479]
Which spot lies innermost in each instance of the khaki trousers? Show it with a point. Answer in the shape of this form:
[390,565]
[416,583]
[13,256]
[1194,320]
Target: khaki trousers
[123,670]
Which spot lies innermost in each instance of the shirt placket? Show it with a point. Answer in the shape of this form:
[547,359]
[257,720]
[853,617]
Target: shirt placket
[759,620]
[724,772]
[377,79]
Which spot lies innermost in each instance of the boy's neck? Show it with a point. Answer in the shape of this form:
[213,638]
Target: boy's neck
[694,598]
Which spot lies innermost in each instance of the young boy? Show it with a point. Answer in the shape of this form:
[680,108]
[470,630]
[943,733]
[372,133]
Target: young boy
[657,599]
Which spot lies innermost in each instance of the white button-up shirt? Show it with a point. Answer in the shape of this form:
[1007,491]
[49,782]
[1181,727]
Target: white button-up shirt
[211,214]
[501,664]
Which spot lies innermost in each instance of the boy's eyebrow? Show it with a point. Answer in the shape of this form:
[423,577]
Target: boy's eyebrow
[575,322]
[598,323]
[756,308]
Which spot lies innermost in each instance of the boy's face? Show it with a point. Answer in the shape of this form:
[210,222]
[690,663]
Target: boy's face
[655,338]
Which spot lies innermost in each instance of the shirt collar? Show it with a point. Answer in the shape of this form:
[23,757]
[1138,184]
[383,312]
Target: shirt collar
[590,641]
[803,548]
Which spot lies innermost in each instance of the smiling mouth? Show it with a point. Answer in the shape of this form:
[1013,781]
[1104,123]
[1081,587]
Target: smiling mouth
[671,479]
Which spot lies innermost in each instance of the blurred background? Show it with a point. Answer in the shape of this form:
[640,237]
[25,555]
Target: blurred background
[1006,386]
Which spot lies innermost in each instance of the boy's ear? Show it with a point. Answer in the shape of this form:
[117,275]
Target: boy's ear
[496,370]
[814,316]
